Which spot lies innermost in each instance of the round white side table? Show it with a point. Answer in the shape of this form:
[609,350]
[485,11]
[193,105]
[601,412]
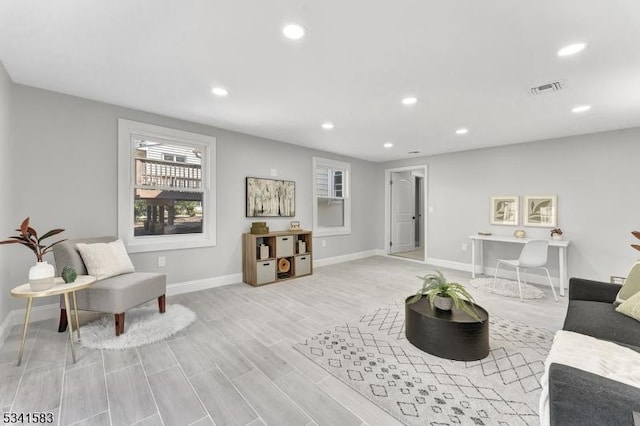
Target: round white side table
[60,287]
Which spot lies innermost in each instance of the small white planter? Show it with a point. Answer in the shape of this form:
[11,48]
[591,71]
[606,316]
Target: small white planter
[41,276]
[443,303]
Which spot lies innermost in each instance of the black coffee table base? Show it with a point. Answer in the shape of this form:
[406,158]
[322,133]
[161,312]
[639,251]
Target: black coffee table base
[447,334]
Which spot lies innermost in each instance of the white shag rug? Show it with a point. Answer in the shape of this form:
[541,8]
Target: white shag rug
[142,326]
[507,288]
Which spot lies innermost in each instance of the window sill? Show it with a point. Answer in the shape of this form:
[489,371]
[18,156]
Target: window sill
[329,232]
[161,243]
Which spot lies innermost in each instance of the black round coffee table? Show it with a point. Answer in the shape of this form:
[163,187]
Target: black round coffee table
[450,334]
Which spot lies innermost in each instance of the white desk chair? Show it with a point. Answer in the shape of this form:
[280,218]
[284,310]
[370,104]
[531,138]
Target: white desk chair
[533,256]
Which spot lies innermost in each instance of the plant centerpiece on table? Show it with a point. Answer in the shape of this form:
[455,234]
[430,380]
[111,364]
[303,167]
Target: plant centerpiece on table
[556,233]
[41,276]
[444,295]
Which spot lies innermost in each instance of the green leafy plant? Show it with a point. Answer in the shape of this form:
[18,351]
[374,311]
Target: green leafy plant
[437,285]
[637,235]
[29,238]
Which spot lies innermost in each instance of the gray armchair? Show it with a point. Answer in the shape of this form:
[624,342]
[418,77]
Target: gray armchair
[114,295]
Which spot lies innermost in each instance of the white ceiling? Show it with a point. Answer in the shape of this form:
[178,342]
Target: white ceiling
[470,63]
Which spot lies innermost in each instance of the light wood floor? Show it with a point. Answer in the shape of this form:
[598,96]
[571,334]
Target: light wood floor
[417,254]
[235,365]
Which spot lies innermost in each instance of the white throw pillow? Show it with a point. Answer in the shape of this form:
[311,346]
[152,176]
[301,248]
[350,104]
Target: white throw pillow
[104,260]
[631,307]
[631,285]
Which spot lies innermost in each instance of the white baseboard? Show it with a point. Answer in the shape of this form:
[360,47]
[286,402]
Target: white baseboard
[345,258]
[203,284]
[508,273]
[458,266]
[16,317]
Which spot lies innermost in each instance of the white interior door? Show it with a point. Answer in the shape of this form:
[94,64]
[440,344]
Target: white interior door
[402,212]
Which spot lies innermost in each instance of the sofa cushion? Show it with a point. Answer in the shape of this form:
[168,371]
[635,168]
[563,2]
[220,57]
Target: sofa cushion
[600,320]
[104,260]
[631,284]
[631,307]
[118,294]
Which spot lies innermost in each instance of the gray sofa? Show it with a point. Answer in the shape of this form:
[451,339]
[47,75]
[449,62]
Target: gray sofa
[114,295]
[580,398]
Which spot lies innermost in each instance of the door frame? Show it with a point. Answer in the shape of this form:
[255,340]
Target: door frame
[387,206]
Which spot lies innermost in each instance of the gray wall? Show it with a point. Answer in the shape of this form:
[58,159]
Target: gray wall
[71,182]
[6,188]
[595,177]
[71,144]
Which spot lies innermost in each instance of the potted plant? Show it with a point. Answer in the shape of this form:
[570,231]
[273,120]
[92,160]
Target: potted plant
[41,276]
[444,295]
[556,233]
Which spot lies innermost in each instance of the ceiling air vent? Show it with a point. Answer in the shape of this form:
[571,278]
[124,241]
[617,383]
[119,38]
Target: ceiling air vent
[552,87]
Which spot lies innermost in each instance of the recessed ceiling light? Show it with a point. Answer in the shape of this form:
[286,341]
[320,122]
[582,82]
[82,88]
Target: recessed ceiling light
[220,91]
[410,100]
[462,131]
[571,49]
[388,145]
[327,126]
[581,108]
[294,31]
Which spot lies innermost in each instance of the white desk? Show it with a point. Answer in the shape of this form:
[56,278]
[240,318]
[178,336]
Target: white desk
[478,240]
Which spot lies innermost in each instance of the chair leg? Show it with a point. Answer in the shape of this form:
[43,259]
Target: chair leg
[519,286]
[119,320]
[495,276]
[162,303]
[62,326]
[551,283]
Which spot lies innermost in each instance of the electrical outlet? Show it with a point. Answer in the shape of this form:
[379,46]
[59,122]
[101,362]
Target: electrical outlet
[274,172]
[464,246]
[162,261]
[324,243]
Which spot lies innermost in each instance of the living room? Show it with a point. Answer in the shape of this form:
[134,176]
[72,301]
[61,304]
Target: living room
[59,164]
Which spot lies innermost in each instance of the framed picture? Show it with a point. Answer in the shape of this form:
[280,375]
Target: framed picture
[504,210]
[541,210]
[295,224]
[270,197]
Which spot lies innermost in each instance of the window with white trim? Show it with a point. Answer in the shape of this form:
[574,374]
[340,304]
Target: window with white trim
[331,197]
[166,187]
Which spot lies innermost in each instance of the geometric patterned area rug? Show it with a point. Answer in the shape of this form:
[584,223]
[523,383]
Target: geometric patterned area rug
[373,356]
[508,288]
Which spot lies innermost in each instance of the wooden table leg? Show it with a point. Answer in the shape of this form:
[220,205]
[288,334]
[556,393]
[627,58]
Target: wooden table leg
[68,308]
[25,329]
[75,310]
